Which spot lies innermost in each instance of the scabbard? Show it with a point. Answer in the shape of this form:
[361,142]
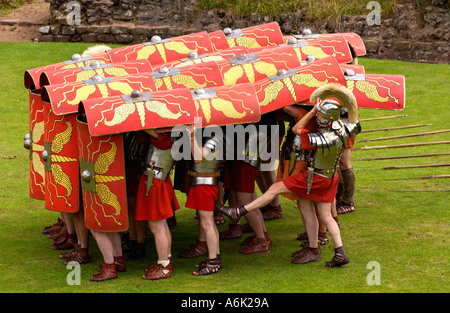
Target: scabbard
[310,179]
[149,182]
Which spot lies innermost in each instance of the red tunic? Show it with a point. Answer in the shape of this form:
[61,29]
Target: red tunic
[323,189]
[161,201]
[240,176]
[202,197]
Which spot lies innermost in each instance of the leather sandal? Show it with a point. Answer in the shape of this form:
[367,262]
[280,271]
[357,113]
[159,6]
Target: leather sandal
[258,245]
[58,225]
[158,271]
[211,266]
[203,263]
[70,254]
[218,217]
[343,208]
[152,267]
[58,232]
[68,243]
[322,239]
[306,255]
[273,213]
[82,257]
[107,272]
[234,231]
[340,258]
[198,249]
[253,237]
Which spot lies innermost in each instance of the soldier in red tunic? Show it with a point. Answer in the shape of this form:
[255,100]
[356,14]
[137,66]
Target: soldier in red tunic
[317,184]
[156,202]
[203,173]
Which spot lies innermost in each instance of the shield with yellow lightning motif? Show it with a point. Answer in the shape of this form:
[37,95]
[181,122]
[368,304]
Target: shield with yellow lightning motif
[60,157]
[103,185]
[35,143]
[336,47]
[160,51]
[65,98]
[95,68]
[258,36]
[377,91]
[255,66]
[353,39]
[32,77]
[227,105]
[194,76]
[195,58]
[296,85]
[139,111]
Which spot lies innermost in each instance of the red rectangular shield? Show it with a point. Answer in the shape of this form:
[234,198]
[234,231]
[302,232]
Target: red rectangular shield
[60,156]
[37,171]
[121,114]
[297,85]
[88,72]
[32,76]
[103,185]
[65,98]
[164,51]
[375,91]
[255,66]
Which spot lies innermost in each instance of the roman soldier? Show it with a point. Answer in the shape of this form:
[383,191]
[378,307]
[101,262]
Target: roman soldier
[203,179]
[317,185]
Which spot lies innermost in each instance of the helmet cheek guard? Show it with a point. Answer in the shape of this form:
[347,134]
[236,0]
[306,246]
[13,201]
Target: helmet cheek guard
[329,111]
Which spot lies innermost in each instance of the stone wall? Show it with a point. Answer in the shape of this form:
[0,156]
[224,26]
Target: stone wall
[412,35]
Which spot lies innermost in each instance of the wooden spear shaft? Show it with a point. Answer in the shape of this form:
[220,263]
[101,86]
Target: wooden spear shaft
[406,136]
[381,118]
[393,128]
[422,177]
[402,145]
[402,156]
[404,166]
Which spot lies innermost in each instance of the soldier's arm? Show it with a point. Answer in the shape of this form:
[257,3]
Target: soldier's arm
[303,122]
[152,133]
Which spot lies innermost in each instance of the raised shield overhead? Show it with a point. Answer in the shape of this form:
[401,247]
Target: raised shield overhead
[375,91]
[353,39]
[103,185]
[194,58]
[227,105]
[60,157]
[34,141]
[194,76]
[160,51]
[255,66]
[65,98]
[336,47]
[139,110]
[296,85]
[223,105]
[94,69]
[252,37]
[32,77]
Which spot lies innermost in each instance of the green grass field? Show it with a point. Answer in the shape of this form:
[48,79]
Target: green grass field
[401,224]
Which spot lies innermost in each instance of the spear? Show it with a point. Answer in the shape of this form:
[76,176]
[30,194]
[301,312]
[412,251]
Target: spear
[381,118]
[402,156]
[403,167]
[393,128]
[422,177]
[402,145]
[406,136]
[444,190]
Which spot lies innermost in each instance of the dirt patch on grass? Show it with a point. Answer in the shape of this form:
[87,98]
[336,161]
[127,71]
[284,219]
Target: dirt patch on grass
[24,21]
